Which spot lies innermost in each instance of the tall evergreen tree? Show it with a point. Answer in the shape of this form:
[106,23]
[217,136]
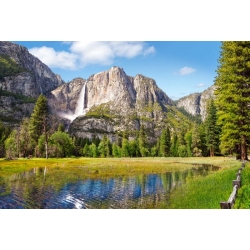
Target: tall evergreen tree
[196,141]
[165,142]
[174,146]
[212,129]
[39,121]
[25,139]
[233,96]
[143,141]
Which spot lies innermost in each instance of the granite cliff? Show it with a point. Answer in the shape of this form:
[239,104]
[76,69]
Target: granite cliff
[20,89]
[196,103]
[111,102]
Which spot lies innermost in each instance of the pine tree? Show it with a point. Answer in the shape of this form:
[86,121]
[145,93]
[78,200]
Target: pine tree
[196,141]
[125,147]
[188,139]
[165,142]
[25,138]
[211,128]
[39,121]
[143,141]
[174,146]
[233,97]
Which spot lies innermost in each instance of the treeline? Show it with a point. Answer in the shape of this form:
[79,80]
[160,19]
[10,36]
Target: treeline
[42,136]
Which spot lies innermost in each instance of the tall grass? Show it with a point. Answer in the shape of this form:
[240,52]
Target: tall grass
[205,192]
[243,197]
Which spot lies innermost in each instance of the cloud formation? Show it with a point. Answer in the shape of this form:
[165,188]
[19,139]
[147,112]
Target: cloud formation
[52,58]
[186,71]
[82,54]
[200,85]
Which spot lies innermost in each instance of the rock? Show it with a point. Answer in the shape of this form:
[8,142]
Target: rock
[125,102]
[38,78]
[195,104]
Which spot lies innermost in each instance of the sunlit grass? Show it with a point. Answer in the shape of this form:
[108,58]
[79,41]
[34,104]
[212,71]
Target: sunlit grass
[206,192]
[91,167]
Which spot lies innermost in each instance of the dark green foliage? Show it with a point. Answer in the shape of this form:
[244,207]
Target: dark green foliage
[233,97]
[116,150]
[188,140]
[174,146]
[4,133]
[26,144]
[196,142]
[143,141]
[8,67]
[165,143]
[39,118]
[125,147]
[212,130]
[105,147]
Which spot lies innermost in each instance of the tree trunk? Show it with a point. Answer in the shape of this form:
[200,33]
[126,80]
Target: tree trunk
[212,151]
[238,151]
[46,149]
[244,148]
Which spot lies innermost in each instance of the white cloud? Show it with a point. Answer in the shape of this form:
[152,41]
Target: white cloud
[149,50]
[85,53]
[52,58]
[105,52]
[186,71]
[200,85]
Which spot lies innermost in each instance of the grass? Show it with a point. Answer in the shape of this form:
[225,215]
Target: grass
[243,197]
[204,193]
[201,192]
[107,167]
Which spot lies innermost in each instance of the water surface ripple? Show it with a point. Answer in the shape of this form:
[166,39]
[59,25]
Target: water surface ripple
[33,189]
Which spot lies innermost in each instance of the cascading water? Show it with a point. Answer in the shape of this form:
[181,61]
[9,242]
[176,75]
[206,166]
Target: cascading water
[80,110]
[80,103]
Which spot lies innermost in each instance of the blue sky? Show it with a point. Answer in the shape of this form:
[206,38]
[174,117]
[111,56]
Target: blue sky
[179,68]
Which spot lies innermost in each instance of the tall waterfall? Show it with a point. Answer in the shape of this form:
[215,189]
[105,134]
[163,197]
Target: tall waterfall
[80,103]
[80,110]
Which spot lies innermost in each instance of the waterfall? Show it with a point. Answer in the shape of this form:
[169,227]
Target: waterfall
[80,110]
[80,103]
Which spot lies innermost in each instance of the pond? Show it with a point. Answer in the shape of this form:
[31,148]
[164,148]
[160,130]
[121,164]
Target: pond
[37,189]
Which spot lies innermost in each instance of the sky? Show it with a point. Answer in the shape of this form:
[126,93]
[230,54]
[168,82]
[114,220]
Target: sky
[178,67]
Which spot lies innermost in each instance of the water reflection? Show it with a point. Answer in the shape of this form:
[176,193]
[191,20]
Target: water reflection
[31,190]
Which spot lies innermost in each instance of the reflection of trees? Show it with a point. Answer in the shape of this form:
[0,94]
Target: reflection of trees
[36,189]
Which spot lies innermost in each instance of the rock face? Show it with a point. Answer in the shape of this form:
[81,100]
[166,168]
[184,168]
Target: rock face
[38,79]
[196,103]
[117,102]
[18,92]
[12,110]
[64,98]
[115,87]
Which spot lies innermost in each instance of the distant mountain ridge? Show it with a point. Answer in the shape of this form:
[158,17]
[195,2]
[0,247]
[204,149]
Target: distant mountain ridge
[195,104]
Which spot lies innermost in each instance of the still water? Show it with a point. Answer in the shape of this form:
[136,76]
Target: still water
[35,189]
